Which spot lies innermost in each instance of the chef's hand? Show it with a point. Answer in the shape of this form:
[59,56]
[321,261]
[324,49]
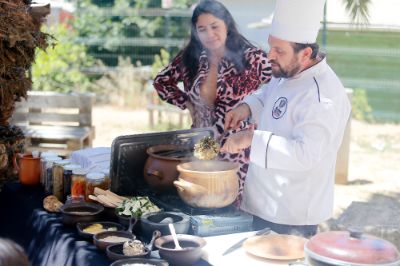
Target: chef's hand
[237,115]
[238,141]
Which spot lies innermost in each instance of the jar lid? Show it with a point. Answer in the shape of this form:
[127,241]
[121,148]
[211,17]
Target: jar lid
[354,248]
[95,176]
[79,171]
[72,167]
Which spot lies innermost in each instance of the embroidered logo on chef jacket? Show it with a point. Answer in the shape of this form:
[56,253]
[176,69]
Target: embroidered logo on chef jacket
[279,108]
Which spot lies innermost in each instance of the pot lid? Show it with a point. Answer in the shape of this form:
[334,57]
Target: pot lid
[354,247]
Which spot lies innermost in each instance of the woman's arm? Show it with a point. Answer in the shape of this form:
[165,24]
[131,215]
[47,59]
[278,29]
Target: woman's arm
[166,84]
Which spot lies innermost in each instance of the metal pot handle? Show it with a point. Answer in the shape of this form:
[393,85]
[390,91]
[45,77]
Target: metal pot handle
[155,173]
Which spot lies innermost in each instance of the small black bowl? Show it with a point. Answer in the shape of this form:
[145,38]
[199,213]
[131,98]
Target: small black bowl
[152,262]
[99,238]
[154,221]
[191,252]
[80,212]
[106,225]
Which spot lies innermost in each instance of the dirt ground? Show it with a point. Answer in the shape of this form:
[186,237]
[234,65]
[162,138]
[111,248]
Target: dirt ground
[374,167]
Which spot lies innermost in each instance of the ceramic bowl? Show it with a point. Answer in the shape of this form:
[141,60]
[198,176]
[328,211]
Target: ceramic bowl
[115,252]
[150,262]
[160,220]
[81,226]
[80,212]
[191,252]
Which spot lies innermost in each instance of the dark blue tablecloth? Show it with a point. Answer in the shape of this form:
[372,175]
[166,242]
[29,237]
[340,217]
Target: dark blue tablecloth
[43,235]
[45,238]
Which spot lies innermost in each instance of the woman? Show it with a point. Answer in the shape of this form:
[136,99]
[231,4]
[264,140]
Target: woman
[218,68]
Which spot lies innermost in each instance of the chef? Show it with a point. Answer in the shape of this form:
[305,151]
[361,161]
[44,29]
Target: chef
[301,116]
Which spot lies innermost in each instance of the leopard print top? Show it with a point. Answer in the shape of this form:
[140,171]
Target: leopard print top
[232,87]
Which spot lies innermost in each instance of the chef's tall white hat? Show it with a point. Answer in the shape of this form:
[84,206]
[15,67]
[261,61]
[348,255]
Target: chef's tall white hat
[297,20]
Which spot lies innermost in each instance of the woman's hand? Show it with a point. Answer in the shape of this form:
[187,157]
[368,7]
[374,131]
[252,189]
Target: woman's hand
[190,107]
[238,141]
[236,116]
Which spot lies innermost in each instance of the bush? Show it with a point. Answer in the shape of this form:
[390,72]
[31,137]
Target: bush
[59,68]
[361,110]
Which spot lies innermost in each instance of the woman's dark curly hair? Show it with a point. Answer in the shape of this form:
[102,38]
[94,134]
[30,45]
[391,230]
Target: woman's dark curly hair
[236,43]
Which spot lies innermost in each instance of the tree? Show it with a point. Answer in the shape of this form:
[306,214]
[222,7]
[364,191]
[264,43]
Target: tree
[358,11]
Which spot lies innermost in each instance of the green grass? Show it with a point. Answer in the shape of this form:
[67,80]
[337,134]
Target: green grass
[369,60]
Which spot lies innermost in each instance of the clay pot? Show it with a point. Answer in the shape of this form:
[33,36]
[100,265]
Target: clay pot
[350,248]
[160,167]
[208,184]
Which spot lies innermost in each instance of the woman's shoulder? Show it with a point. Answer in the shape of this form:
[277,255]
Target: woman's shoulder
[255,51]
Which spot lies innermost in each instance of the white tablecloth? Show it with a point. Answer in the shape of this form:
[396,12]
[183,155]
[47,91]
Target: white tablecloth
[216,245]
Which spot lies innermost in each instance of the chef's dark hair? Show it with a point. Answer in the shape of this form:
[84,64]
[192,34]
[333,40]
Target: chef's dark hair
[297,47]
[236,43]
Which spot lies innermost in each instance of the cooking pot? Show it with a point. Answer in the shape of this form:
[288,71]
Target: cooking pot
[351,248]
[160,167]
[208,184]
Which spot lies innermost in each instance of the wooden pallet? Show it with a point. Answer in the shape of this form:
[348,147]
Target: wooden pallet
[61,122]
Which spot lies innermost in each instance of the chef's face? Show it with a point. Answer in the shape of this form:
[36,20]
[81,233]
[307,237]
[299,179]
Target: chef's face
[212,32]
[285,63]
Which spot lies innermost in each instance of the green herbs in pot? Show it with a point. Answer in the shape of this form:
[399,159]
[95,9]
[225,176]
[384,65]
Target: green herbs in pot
[136,206]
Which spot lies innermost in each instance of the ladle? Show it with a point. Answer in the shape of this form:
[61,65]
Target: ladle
[174,237]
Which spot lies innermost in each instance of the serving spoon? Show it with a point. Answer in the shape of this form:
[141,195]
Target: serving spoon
[174,237]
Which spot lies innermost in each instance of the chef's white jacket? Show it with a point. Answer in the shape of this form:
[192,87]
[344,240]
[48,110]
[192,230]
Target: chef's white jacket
[301,122]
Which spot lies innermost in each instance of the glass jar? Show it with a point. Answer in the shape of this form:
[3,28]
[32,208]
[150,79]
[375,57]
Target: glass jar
[106,173]
[93,180]
[58,178]
[43,158]
[67,178]
[48,183]
[78,182]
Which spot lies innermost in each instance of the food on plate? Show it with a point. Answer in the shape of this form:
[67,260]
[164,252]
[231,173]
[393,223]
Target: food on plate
[52,204]
[137,206]
[97,228]
[206,149]
[133,248]
[114,239]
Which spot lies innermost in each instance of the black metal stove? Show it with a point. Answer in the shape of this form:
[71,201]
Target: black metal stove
[128,157]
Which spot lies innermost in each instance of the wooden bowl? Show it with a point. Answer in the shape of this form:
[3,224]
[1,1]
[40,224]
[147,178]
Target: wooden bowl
[81,226]
[80,212]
